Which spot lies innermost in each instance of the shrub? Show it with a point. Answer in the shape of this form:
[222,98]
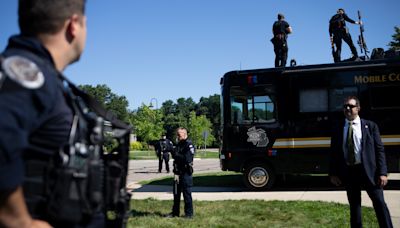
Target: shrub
[145,146]
[136,145]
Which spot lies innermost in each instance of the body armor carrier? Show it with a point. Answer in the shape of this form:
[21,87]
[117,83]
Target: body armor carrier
[88,175]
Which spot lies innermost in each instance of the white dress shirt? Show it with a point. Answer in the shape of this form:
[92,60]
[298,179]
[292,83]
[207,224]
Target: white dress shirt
[357,136]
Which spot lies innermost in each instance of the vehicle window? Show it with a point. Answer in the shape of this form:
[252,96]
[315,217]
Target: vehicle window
[385,97]
[252,105]
[263,110]
[337,96]
[238,109]
[314,100]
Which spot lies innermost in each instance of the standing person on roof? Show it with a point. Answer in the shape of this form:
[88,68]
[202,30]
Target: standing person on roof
[338,32]
[280,30]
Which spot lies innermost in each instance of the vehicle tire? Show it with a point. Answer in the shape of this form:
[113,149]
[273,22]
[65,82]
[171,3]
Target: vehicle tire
[259,176]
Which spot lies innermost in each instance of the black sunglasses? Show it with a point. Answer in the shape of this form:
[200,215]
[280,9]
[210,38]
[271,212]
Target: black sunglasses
[346,106]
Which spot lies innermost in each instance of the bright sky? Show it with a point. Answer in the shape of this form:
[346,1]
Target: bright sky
[150,50]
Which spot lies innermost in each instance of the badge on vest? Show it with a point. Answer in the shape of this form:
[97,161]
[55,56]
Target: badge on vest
[23,71]
[191,149]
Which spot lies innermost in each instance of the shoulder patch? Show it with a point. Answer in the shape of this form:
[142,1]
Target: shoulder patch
[23,71]
[192,150]
[1,79]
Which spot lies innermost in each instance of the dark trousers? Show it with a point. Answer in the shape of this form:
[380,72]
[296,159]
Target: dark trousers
[357,180]
[281,54]
[338,36]
[184,186]
[163,157]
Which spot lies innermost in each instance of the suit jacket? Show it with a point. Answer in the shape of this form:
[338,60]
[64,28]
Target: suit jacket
[373,157]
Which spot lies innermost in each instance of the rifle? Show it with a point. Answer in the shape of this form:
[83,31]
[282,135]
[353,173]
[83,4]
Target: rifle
[176,182]
[334,51]
[175,170]
[361,39]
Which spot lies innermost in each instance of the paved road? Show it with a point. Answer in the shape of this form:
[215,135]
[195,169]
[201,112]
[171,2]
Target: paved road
[148,169]
[140,170]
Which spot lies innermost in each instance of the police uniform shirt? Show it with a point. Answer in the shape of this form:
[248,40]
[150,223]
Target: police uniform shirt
[185,153]
[35,118]
[357,136]
[280,27]
[165,145]
[339,20]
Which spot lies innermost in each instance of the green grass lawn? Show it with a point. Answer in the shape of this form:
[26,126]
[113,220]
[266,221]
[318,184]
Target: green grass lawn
[247,213]
[150,154]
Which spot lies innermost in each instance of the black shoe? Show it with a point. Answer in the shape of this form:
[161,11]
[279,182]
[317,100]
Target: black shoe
[354,58]
[171,215]
[188,216]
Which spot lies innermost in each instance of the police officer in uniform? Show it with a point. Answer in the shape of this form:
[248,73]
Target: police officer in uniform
[280,30]
[183,170]
[338,32]
[164,147]
[36,118]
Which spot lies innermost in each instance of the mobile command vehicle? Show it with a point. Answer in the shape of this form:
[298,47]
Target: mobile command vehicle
[278,121]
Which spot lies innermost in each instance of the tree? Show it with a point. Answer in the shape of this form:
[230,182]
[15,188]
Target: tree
[181,115]
[117,104]
[196,126]
[168,107]
[176,115]
[185,106]
[148,124]
[395,44]
[210,107]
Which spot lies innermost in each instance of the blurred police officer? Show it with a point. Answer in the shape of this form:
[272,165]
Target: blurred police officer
[164,147]
[35,116]
[280,30]
[338,32]
[183,170]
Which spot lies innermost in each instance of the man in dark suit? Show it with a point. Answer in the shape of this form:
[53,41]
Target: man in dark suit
[358,161]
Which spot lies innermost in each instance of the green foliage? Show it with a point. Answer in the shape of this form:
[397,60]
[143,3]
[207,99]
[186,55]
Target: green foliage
[185,106]
[210,107]
[176,115]
[148,124]
[197,125]
[247,213]
[395,43]
[136,146]
[110,143]
[145,145]
[117,104]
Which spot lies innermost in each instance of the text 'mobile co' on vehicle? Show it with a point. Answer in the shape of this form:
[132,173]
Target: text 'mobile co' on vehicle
[279,121]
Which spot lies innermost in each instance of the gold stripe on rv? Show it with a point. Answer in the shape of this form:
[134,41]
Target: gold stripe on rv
[314,142]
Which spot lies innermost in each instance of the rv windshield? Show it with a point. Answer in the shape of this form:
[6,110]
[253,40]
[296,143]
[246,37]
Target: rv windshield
[253,104]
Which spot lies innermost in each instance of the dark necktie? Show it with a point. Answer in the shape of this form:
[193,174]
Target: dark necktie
[351,158]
